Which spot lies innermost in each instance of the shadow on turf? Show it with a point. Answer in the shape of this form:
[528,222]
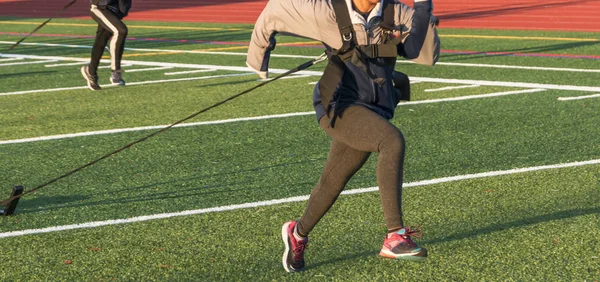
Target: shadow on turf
[44,203]
[64,202]
[53,200]
[474,233]
[515,224]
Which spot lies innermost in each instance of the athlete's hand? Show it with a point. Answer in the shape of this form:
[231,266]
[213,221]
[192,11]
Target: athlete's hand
[435,20]
[272,43]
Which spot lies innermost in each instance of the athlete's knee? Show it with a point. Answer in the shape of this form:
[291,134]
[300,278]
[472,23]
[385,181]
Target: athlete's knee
[122,31]
[393,143]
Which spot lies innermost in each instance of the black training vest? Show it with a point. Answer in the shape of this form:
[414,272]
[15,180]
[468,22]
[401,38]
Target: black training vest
[357,55]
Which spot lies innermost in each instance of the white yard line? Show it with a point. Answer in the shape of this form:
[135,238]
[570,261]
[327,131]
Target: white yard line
[9,59]
[189,78]
[129,83]
[312,57]
[508,67]
[452,88]
[188,72]
[45,90]
[109,66]
[162,64]
[470,97]
[120,130]
[159,50]
[318,73]
[65,64]
[147,69]
[28,63]
[510,84]
[579,97]
[47,45]
[94,224]
[154,127]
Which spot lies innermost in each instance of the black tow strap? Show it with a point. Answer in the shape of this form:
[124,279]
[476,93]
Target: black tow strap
[296,69]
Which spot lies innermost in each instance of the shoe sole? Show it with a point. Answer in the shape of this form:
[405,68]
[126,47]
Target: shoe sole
[402,257]
[117,83]
[89,83]
[284,236]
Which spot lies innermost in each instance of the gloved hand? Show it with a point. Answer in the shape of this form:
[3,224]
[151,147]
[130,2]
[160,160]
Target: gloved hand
[435,20]
[272,42]
[402,84]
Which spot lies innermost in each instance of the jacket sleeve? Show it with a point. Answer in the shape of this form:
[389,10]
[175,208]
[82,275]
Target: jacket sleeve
[124,7]
[303,18]
[421,42]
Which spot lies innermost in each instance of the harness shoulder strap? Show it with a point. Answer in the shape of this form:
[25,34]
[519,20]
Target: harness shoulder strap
[353,53]
[345,25]
[388,15]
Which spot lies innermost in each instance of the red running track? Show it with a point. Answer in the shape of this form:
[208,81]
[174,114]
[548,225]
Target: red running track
[566,15]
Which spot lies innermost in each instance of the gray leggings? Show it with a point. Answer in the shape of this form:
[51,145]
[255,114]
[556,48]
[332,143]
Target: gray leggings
[357,133]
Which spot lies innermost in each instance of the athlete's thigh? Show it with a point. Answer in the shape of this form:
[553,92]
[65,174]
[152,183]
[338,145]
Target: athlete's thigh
[361,129]
[343,161]
[107,19]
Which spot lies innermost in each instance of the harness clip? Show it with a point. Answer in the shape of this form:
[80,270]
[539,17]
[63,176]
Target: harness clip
[347,36]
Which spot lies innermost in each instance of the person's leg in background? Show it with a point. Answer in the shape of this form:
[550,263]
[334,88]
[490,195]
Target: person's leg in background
[111,22]
[102,37]
[90,72]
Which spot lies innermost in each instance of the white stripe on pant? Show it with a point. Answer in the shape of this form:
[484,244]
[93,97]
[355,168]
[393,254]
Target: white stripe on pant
[116,34]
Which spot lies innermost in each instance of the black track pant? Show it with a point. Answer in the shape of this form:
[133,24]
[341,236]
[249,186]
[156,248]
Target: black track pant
[108,25]
[357,133]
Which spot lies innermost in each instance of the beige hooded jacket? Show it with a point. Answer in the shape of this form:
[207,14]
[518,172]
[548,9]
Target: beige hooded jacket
[315,19]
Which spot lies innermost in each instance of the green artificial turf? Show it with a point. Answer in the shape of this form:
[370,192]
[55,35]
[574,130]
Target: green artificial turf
[534,226]
[531,226]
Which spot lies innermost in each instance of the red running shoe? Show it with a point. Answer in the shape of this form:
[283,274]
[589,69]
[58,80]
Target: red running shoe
[399,245]
[293,256]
